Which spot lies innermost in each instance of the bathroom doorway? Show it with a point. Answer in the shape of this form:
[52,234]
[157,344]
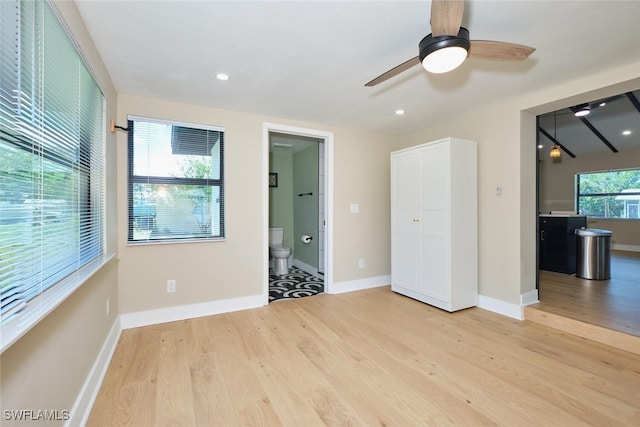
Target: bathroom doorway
[298,165]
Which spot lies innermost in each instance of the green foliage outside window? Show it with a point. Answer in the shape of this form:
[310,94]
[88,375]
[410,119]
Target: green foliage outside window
[610,194]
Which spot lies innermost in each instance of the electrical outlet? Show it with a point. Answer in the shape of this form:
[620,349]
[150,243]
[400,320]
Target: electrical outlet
[361,263]
[171,286]
[108,306]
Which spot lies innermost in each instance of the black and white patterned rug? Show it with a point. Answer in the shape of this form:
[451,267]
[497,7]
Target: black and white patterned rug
[295,284]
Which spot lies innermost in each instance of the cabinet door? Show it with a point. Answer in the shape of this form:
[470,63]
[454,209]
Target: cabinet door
[405,240]
[555,242]
[434,221]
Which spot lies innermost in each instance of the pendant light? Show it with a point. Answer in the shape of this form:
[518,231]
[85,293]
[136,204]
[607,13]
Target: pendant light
[555,152]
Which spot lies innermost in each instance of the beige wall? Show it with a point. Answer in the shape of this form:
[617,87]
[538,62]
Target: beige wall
[46,368]
[362,167]
[506,157]
[213,271]
[557,192]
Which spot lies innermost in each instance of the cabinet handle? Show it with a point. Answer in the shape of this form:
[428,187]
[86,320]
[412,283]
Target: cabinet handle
[542,235]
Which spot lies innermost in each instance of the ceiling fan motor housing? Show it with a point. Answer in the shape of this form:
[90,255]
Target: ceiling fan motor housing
[430,44]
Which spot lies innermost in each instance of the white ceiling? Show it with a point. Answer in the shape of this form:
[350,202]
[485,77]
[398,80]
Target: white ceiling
[309,61]
[609,118]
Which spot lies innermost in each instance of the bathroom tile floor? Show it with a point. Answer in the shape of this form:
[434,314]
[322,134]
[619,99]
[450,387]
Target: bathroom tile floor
[295,284]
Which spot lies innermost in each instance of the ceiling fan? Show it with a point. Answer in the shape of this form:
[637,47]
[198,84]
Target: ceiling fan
[448,45]
[584,109]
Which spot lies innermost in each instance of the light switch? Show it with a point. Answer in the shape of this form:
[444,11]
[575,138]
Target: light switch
[355,208]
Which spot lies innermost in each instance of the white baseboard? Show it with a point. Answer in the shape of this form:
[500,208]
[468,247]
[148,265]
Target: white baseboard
[306,267]
[529,298]
[630,248]
[81,410]
[500,307]
[189,311]
[357,285]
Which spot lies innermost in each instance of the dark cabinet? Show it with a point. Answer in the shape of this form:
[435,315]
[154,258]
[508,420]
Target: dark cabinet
[557,243]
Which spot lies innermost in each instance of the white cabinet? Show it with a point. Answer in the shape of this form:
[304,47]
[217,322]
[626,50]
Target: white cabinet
[434,231]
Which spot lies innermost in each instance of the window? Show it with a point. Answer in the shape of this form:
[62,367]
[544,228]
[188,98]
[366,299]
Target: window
[51,155]
[610,194]
[176,181]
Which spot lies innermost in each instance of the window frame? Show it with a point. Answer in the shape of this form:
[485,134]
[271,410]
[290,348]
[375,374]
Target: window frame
[146,179]
[579,195]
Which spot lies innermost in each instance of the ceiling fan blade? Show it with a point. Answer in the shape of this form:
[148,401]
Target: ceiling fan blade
[446,17]
[499,51]
[394,71]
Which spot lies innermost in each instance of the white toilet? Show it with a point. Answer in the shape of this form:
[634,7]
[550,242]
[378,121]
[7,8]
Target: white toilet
[278,253]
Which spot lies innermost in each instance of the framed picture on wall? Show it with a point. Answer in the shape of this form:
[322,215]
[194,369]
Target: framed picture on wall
[273,179]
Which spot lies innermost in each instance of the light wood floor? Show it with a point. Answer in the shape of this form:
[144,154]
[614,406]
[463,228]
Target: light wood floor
[613,304]
[367,358]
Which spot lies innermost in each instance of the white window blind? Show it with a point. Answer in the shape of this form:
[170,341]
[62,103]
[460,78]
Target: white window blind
[51,155]
[176,181]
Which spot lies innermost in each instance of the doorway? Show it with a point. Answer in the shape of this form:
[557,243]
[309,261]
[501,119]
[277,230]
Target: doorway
[613,303]
[298,164]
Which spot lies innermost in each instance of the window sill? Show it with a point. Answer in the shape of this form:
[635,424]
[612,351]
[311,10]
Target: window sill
[174,241]
[39,307]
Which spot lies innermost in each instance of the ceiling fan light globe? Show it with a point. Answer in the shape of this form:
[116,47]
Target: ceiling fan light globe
[582,110]
[444,60]
[441,54]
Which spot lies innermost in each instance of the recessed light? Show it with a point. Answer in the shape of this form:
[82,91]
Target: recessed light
[222,76]
[540,146]
[626,132]
[602,104]
[399,112]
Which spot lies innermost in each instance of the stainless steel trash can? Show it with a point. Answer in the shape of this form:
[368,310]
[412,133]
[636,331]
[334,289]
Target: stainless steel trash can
[594,254]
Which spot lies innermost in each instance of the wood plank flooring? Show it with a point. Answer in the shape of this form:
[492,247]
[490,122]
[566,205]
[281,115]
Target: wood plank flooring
[366,358]
[609,304]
